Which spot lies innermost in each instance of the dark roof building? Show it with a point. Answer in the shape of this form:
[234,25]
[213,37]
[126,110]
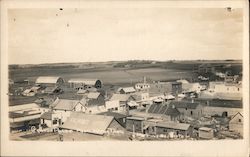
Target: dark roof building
[164,109]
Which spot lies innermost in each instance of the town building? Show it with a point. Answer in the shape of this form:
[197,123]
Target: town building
[93,124]
[49,81]
[119,117]
[134,124]
[236,123]
[65,107]
[165,109]
[24,116]
[188,109]
[81,83]
[123,100]
[142,86]
[50,119]
[166,127]
[126,90]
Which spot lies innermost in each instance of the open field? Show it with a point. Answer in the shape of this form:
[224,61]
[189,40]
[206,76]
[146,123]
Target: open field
[117,72]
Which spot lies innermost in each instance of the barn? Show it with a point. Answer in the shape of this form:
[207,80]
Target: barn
[77,83]
[50,80]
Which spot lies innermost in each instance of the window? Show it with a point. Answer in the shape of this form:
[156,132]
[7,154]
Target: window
[240,120]
[55,121]
[191,112]
[238,89]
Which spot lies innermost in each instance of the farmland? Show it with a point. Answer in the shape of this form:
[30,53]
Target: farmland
[116,73]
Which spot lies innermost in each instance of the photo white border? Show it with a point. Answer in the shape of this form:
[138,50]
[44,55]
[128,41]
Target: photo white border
[121,148]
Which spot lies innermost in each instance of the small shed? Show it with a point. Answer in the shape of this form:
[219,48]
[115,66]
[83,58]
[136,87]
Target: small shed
[206,133]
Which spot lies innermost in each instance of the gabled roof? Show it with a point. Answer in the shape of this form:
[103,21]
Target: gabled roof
[120,97]
[238,113]
[47,115]
[90,123]
[128,89]
[65,104]
[47,79]
[163,109]
[93,95]
[184,104]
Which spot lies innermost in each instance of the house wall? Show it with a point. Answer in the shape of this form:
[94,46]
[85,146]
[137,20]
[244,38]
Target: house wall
[64,114]
[112,105]
[136,123]
[194,113]
[79,107]
[47,122]
[236,124]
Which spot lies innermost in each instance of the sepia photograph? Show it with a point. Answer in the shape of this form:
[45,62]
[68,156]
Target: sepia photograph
[135,72]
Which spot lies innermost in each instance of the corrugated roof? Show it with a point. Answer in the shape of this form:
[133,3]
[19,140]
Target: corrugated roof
[89,123]
[84,81]
[163,109]
[47,79]
[65,104]
[184,104]
[120,97]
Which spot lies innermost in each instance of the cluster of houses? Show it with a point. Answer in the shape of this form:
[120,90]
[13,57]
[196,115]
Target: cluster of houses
[158,109]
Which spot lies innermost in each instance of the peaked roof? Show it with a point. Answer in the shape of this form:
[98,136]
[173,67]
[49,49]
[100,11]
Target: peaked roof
[128,89]
[89,123]
[163,109]
[184,104]
[65,104]
[238,113]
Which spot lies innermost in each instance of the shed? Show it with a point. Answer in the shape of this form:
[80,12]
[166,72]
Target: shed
[206,133]
[85,82]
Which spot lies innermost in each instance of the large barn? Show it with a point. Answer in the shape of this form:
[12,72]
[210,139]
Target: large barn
[76,83]
[50,80]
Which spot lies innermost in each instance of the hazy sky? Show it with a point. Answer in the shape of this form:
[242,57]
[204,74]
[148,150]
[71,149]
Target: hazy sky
[99,34]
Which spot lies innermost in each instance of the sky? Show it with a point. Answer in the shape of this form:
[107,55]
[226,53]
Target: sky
[116,34]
